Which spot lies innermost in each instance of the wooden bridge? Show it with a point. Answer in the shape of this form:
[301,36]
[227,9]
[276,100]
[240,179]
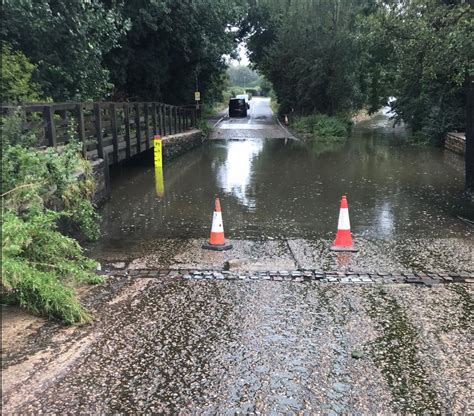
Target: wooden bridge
[112,131]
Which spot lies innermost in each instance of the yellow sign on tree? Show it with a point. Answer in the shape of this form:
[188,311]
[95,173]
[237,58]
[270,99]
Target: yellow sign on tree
[197,96]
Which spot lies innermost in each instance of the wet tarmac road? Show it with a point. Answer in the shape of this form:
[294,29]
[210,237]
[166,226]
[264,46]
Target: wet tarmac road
[260,123]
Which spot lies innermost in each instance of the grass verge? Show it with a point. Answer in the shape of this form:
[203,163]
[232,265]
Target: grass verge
[39,190]
[321,126]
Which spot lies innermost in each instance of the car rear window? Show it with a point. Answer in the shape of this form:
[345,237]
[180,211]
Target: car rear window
[235,102]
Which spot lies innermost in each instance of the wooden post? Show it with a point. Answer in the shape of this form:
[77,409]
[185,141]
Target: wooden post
[137,126]
[165,125]
[176,112]
[147,126]
[160,115]
[175,119]
[98,130]
[113,126]
[48,118]
[153,119]
[126,119]
[81,131]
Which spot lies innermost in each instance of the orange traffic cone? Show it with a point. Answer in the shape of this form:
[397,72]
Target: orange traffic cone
[217,240]
[343,241]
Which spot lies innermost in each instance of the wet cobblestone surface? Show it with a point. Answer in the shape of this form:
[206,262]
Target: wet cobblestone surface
[171,343]
[426,279]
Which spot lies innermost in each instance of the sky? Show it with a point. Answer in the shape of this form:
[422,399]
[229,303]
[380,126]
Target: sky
[242,55]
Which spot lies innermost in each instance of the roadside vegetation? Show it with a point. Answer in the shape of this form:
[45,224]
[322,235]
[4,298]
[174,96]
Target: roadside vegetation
[41,192]
[138,50]
[46,196]
[321,127]
[333,57]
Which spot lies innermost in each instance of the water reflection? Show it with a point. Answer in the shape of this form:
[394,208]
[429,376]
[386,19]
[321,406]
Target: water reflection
[270,188]
[159,182]
[234,175]
[385,219]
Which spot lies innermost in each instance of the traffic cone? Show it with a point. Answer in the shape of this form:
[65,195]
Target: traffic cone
[217,241]
[343,241]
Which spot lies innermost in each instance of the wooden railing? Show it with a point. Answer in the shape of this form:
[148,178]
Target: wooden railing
[122,129]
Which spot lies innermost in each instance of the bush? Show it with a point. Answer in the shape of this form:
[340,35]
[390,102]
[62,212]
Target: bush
[16,74]
[39,188]
[252,91]
[322,126]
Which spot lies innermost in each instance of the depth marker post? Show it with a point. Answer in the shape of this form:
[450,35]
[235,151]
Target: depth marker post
[158,158]
[158,151]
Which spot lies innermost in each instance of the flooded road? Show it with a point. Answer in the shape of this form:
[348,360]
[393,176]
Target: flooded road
[181,330]
[290,189]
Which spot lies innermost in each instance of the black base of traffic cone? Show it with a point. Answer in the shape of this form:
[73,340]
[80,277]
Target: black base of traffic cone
[217,247]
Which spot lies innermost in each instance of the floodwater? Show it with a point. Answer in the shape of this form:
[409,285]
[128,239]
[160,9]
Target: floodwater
[291,189]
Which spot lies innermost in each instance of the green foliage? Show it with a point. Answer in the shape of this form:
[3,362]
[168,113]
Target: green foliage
[310,53]
[266,87]
[204,126]
[321,126]
[66,41]
[174,47]
[252,91]
[234,91]
[16,74]
[331,57]
[150,50]
[421,52]
[39,189]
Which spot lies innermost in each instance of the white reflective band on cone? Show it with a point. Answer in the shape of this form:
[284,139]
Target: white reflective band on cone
[344,223]
[217,226]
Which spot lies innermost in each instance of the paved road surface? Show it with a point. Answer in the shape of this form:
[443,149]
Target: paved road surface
[260,123]
[175,346]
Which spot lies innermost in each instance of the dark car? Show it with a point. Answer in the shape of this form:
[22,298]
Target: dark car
[237,107]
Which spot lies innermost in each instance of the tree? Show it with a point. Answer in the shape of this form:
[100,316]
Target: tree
[265,87]
[243,76]
[66,41]
[309,51]
[426,54]
[173,48]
